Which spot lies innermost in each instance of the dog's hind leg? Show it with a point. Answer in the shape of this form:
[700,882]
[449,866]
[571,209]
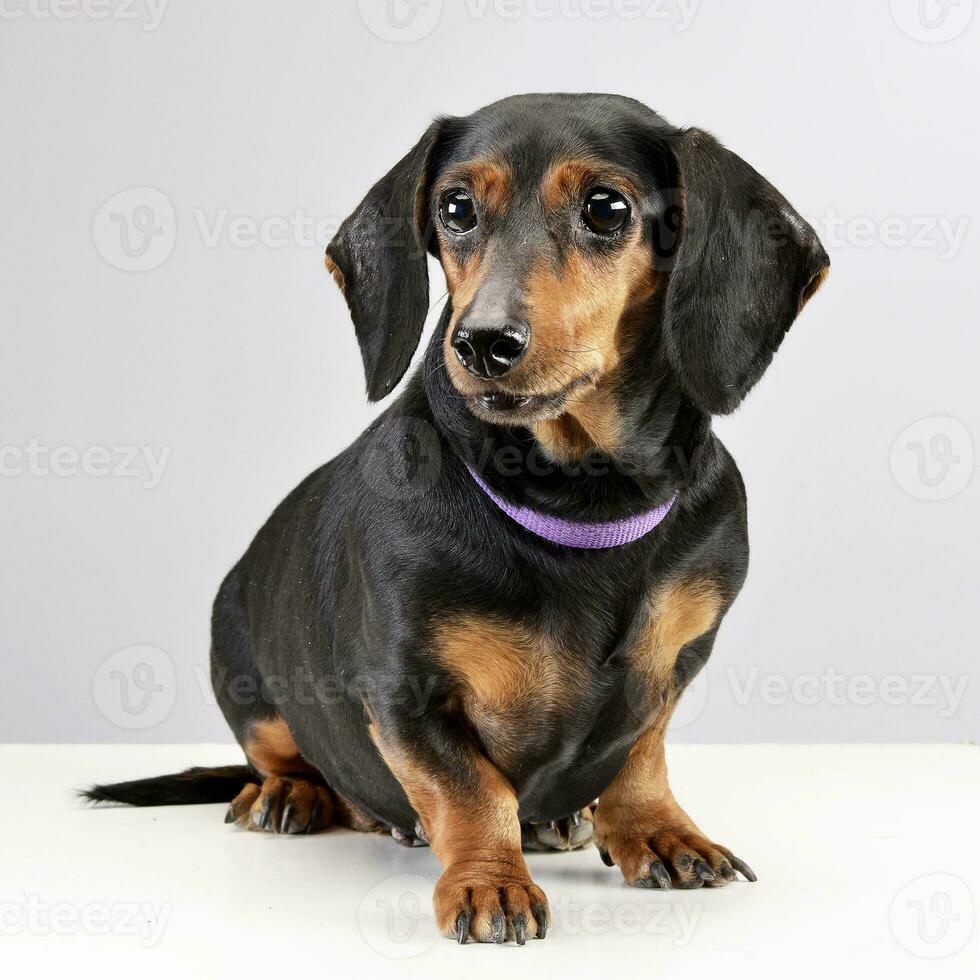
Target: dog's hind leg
[288,794]
[292,797]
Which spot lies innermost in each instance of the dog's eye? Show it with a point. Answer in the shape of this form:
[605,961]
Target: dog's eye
[458,212]
[605,211]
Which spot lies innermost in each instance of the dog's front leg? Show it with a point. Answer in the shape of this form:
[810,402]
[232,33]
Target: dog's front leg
[468,811]
[642,828]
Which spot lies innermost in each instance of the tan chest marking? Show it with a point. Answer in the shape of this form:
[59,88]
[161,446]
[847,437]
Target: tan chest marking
[512,682]
[679,613]
[502,667]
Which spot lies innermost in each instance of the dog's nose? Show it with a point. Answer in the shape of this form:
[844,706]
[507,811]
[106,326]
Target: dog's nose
[490,351]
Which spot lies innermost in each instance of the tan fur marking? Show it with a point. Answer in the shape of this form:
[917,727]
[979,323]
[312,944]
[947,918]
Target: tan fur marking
[338,276]
[499,664]
[679,614]
[510,679]
[567,181]
[462,279]
[578,329]
[489,181]
[591,421]
[813,285]
[272,749]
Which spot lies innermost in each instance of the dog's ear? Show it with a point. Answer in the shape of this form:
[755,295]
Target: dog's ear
[745,266]
[378,258]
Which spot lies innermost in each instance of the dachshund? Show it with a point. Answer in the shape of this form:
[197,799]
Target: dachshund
[470,628]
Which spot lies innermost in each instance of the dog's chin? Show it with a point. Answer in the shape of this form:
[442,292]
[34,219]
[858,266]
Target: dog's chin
[504,408]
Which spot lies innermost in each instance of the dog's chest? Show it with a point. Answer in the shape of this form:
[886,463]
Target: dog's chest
[548,698]
[532,696]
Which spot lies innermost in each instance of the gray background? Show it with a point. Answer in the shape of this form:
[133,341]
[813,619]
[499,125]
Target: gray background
[238,360]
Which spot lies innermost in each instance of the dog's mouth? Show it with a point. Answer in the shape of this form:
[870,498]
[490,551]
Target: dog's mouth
[511,408]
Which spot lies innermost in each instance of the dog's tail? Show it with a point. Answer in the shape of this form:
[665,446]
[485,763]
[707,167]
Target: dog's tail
[199,785]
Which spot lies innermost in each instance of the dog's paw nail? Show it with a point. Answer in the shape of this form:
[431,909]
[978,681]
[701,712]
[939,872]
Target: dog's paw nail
[703,871]
[659,875]
[739,865]
[264,817]
[540,913]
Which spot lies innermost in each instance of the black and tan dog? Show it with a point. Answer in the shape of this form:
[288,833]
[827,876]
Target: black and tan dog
[406,646]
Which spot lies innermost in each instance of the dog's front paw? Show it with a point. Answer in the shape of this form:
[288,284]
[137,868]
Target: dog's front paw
[489,903]
[668,852]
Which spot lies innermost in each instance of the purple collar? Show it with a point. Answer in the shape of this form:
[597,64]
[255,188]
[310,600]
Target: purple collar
[577,534]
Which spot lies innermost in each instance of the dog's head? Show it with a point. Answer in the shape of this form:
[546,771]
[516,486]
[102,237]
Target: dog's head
[572,230]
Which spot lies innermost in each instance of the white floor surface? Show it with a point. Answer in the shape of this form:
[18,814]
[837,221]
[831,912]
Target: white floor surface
[868,860]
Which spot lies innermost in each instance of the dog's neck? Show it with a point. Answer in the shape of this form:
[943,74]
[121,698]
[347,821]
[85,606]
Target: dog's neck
[624,446]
